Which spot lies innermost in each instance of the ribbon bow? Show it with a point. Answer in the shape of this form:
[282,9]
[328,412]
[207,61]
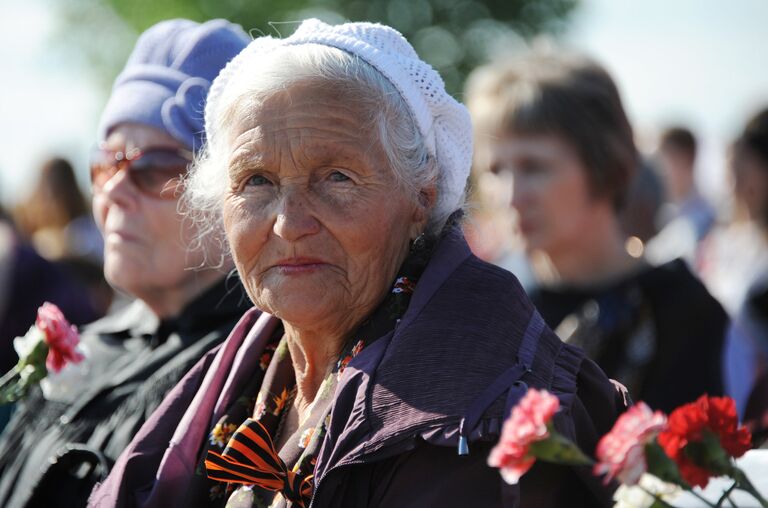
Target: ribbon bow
[250,458]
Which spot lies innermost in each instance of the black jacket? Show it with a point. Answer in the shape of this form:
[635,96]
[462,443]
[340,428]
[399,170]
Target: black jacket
[657,331]
[53,452]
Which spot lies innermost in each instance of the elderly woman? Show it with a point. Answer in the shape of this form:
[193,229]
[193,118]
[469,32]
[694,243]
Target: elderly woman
[555,128]
[385,356]
[65,438]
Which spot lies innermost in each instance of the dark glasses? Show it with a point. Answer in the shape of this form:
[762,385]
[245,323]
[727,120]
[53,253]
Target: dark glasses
[155,172]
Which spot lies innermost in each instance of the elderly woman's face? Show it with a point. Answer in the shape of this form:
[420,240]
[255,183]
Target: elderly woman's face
[315,220]
[144,237]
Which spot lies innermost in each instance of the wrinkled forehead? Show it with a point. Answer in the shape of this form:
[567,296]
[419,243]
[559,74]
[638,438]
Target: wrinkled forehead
[313,119]
[307,123]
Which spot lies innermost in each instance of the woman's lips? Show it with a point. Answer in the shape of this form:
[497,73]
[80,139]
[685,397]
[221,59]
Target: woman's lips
[121,236]
[296,266]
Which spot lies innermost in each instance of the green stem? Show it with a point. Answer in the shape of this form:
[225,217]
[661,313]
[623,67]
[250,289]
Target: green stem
[726,495]
[5,382]
[746,485]
[9,376]
[655,496]
[702,498]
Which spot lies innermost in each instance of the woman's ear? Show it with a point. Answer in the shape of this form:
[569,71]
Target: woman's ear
[428,196]
[425,201]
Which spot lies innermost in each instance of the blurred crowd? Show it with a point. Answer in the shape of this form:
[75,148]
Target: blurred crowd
[619,250]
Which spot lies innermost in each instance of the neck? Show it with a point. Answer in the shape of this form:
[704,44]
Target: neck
[313,354]
[168,303]
[598,255]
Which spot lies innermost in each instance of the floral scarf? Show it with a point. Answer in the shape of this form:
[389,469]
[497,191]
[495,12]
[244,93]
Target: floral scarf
[240,446]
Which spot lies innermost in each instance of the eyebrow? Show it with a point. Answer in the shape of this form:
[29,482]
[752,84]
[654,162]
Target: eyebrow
[244,161]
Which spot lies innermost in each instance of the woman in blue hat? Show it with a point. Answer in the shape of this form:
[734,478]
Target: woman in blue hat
[64,439]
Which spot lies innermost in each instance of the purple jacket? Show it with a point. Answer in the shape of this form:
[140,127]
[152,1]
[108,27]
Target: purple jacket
[403,403]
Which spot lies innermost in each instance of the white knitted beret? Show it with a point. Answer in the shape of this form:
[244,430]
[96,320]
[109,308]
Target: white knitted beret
[443,121]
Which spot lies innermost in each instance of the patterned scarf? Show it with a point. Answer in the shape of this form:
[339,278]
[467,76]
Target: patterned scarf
[246,454]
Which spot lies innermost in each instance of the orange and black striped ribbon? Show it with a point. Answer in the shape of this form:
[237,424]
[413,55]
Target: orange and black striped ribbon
[250,458]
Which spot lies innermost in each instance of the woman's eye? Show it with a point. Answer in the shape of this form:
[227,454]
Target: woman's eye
[257,180]
[338,176]
[533,168]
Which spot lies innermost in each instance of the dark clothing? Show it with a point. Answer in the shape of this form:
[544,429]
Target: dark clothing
[756,413]
[53,452]
[399,406]
[658,332]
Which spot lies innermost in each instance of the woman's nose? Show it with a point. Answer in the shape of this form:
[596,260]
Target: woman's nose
[521,192]
[120,190]
[294,218]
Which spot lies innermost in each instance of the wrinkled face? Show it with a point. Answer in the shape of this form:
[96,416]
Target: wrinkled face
[144,240]
[316,222]
[550,189]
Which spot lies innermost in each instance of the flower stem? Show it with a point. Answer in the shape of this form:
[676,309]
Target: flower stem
[746,485]
[702,498]
[8,376]
[726,495]
[6,383]
[657,497]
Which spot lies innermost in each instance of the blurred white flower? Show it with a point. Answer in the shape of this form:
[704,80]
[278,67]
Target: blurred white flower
[24,345]
[638,496]
[67,384]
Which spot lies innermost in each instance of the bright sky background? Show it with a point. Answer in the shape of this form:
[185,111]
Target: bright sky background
[701,62]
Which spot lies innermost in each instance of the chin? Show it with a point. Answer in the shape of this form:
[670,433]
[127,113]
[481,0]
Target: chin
[300,320]
[124,272]
[300,311]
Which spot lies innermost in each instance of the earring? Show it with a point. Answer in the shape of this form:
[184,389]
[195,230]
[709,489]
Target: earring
[418,243]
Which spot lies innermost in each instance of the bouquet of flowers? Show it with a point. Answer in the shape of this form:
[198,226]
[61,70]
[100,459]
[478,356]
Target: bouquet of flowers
[653,456]
[49,345]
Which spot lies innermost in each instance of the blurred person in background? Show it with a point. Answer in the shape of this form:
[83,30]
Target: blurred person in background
[56,220]
[491,226]
[561,136]
[55,217]
[65,439]
[642,204]
[687,217]
[736,268]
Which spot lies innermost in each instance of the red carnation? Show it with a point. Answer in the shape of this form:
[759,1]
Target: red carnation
[689,423]
[61,337]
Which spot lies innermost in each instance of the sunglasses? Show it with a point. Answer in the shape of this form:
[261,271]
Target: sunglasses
[155,172]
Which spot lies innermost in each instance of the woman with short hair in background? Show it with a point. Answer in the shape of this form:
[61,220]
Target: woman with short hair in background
[556,131]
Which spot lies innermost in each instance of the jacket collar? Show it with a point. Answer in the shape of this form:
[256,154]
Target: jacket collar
[223,301]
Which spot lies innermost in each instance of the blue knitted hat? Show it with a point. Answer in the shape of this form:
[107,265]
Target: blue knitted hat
[166,79]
